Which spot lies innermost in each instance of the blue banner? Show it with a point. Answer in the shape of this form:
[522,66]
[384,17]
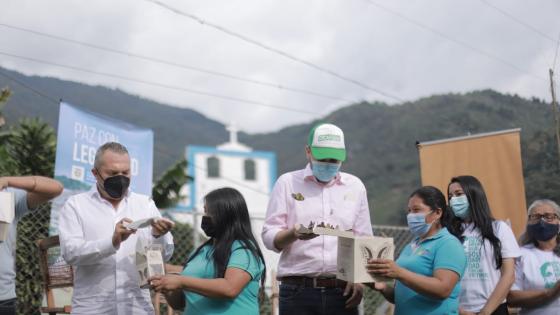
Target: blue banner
[80,133]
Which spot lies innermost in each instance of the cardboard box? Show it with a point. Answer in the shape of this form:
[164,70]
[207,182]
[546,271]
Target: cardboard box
[149,263]
[354,252]
[7,213]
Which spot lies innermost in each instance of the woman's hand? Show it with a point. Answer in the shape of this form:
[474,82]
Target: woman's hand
[384,267]
[166,283]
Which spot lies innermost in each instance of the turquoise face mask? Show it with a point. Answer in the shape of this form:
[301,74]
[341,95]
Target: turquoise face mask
[324,171]
[460,206]
[417,224]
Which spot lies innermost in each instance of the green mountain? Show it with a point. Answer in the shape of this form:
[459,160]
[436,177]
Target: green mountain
[381,141]
[380,138]
[173,127]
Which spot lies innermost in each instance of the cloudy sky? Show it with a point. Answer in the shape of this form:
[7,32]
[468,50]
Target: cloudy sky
[405,49]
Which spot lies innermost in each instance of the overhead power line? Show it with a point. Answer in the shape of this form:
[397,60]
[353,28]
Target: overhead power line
[518,21]
[275,50]
[172,87]
[456,41]
[233,181]
[175,64]
[9,77]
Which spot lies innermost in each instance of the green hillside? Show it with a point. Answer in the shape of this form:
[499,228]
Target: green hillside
[380,138]
[173,127]
[381,142]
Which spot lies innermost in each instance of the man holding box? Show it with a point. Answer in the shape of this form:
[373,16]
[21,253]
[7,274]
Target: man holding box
[317,193]
[94,238]
[29,193]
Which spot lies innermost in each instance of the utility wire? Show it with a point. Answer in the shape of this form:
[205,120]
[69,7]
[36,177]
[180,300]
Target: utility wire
[451,39]
[172,87]
[233,181]
[518,21]
[274,50]
[175,64]
[4,74]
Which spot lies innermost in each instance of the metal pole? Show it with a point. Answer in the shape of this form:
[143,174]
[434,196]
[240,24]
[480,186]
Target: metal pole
[555,113]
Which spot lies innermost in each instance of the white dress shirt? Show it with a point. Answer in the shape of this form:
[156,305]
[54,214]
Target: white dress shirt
[106,278]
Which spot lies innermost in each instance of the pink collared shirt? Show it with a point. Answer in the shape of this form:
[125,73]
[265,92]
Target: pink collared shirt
[341,202]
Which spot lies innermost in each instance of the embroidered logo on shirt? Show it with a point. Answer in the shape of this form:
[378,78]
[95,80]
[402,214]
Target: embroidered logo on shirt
[418,250]
[298,197]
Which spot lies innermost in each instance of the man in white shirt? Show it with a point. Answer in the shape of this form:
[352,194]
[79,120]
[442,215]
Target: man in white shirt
[95,241]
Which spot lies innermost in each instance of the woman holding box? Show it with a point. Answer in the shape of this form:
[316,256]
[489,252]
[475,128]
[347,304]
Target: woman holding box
[428,270]
[222,275]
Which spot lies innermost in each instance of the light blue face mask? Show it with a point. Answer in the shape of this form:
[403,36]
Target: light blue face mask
[417,224]
[324,171]
[460,206]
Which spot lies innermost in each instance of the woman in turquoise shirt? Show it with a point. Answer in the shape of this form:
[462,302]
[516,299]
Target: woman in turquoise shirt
[222,275]
[428,270]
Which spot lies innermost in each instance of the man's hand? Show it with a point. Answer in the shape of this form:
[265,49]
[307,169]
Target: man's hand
[377,286]
[302,236]
[161,226]
[356,291]
[121,233]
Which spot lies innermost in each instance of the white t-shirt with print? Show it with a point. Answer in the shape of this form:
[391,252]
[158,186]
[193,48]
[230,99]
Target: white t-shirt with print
[481,275]
[537,270]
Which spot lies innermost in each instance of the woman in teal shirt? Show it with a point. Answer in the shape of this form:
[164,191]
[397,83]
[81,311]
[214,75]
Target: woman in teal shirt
[429,269]
[222,275]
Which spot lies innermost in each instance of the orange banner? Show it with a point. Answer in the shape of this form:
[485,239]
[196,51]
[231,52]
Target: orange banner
[494,158]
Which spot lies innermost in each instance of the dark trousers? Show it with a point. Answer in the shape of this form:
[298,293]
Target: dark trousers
[8,307]
[299,300]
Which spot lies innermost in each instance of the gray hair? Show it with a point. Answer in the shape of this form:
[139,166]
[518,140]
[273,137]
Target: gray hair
[544,202]
[525,239]
[108,146]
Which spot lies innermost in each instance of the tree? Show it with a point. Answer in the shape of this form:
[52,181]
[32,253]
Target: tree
[166,192]
[30,149]
[4,95]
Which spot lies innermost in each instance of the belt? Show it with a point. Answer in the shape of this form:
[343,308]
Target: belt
[310,282]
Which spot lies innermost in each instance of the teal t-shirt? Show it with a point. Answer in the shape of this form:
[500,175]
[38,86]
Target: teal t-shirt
[441,251]
[202,266]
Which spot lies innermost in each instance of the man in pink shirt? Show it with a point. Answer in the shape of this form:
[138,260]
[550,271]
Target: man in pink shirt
[317,193]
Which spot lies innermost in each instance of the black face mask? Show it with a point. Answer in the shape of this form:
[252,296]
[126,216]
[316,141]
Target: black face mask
[115,186]
[542,231]
[207,226]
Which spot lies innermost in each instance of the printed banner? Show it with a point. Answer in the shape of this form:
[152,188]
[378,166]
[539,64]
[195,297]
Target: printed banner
[80,133]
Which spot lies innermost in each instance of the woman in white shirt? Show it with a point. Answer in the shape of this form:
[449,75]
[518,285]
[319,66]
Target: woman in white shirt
[490,246]
[537,272]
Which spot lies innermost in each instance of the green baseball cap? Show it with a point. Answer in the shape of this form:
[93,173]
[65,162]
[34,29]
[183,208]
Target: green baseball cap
[327,142]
